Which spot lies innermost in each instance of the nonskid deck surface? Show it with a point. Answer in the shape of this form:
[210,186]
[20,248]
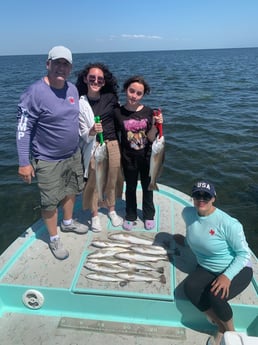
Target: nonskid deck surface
[98,306]
[35,265]
[21,329]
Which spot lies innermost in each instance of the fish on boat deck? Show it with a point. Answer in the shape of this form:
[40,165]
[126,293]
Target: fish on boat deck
[137,257]
[108,244]
[105,268]
[152,250]
[108,260]
[138,277]
[134,266]
[106,252]
[102,277]
[125,237]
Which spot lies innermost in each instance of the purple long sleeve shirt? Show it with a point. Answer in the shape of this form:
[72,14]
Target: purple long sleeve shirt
[48,123]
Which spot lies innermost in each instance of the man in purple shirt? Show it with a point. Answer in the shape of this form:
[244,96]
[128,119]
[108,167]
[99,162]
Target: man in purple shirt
[48,129]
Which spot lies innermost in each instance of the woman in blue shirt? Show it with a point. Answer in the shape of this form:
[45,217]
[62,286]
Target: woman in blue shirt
[223,257]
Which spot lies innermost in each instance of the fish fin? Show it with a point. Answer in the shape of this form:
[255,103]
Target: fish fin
[163,279]
[160,269]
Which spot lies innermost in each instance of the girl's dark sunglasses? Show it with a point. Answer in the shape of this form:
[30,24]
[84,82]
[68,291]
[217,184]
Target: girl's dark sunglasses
[93,78]
[202,196]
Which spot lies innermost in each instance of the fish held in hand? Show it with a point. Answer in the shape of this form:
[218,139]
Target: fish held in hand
[101,166]
[156,162]
[100,153]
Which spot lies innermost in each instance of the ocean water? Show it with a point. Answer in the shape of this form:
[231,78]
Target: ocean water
[209,100]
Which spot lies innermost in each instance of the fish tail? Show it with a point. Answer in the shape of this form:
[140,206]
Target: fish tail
[163,279]
[160,269]
[123,283]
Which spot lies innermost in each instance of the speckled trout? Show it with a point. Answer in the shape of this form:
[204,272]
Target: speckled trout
[125,237]
[102,277]
[106,252]
[137,257]
[101,164]
[139,277]
[150,250]
[156,161]
[105,268]
[135,266]
[109,260]
[107,244]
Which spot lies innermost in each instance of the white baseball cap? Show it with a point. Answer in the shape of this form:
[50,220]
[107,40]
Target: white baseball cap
[60,52]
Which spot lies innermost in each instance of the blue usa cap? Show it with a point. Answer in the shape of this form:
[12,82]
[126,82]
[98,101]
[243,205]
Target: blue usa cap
[204,186]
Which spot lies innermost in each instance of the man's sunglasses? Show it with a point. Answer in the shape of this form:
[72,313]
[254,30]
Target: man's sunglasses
[93,78]
[202,196]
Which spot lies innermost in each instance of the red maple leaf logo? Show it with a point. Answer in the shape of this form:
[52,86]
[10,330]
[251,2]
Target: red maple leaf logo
[212,232]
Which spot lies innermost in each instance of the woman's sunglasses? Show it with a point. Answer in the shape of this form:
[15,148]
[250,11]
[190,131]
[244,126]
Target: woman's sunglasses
[93,78]
[202,196]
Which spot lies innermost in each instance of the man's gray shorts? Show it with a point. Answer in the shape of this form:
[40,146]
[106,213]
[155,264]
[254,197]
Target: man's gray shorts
[56,180]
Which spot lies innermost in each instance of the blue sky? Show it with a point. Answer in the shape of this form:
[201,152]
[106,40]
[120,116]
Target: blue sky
[34,26]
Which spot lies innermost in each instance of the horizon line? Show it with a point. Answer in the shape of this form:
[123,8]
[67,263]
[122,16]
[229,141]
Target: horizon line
[133,51]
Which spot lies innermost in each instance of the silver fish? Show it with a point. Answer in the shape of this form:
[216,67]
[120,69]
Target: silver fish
[137,257]
[109,260]
[152,250]
[104,277]
[112,269]
[101,164]
[156,161]
[107,244]
[106,252]
[138,277]
[125,237]
[134,266]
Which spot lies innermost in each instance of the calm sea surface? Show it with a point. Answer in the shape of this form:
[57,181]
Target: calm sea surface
[209,100]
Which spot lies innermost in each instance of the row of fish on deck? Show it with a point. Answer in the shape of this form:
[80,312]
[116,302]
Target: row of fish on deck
[126,258]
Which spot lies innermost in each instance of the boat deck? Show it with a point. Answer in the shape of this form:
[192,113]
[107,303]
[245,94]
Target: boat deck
[47,301]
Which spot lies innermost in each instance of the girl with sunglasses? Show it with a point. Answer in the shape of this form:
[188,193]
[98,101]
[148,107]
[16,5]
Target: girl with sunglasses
[136,124]
[223,259]
[97,89]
